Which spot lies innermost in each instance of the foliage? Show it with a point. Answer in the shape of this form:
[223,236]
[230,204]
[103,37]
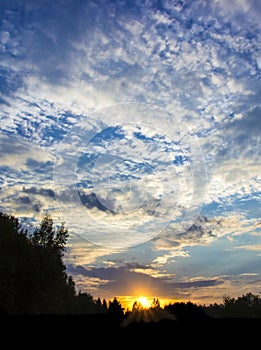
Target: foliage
[115,310]
[32,273]
[48,237]
[155,304]
[186,311]
[85,304]
[136,307]
[245,306]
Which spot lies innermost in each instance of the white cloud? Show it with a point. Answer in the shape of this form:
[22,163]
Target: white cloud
[169,257]
[196,70]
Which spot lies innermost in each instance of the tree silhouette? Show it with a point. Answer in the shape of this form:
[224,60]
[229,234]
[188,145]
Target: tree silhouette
[104,305]
[55,288]
[48,237]
[98,302]
[14,252]
[186,311]
[136,307]
[85,303]
[115,311]
[245,306]
[155,304]
[33,276]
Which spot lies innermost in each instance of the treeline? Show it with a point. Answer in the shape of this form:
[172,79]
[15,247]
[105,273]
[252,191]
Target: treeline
[245,306]
[33,280]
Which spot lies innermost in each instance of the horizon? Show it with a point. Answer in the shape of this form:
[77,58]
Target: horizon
[138,126]
[127,301]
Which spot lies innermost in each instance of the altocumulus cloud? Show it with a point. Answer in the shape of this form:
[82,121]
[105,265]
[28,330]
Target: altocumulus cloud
[61,62]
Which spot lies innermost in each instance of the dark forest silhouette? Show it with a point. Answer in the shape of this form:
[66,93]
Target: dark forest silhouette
[34,281]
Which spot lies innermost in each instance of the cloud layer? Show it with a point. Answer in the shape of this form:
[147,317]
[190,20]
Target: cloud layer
[136,123]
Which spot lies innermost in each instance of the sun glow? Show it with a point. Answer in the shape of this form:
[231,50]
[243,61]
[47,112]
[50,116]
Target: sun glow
[144,302]
[127,301]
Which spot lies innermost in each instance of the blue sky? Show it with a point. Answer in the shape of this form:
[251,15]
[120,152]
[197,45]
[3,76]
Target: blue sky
[138,124]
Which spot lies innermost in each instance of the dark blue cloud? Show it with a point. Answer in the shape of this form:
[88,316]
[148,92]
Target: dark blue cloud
[40,191]
[92,201]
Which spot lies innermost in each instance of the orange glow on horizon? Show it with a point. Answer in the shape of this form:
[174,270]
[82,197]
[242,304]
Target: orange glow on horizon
[127,301]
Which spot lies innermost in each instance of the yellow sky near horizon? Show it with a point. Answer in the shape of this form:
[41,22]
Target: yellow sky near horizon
[127,301]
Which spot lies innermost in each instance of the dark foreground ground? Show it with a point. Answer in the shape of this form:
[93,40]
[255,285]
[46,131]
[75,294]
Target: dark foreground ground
[82,332]
[103,330]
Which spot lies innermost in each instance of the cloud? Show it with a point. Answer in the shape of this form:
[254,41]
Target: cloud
[165,258]
[124,281]
[91,201]
[19,154]
[194,69]
[233,286]
[203,232]
[47,192]
[126,49]
[11,80]
[82,252]
[136,265]
[243,137]
[22,166]
[254,247]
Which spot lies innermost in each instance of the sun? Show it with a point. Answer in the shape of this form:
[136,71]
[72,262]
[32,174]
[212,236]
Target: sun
[144,302]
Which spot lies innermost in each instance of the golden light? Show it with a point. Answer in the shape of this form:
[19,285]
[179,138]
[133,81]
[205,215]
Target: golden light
[128,300]
[144,302]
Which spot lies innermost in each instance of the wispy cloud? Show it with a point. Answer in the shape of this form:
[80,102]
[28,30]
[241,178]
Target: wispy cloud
[254,247]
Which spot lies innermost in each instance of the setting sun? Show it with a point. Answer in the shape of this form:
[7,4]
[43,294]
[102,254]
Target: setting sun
[144,302]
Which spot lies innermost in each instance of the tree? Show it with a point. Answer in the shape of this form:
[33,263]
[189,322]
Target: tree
[155,304]
[98,302]
[104,304]
[250,300]
[186,311]
[228,301]
[14,251]
[56,289]
[85,303]
[48,237]
[115,310]
[136,307]
[245,306]
[32,274]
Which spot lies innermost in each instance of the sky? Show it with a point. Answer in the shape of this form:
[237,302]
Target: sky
[137,123]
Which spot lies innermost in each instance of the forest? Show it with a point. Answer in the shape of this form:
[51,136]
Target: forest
[34,282]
